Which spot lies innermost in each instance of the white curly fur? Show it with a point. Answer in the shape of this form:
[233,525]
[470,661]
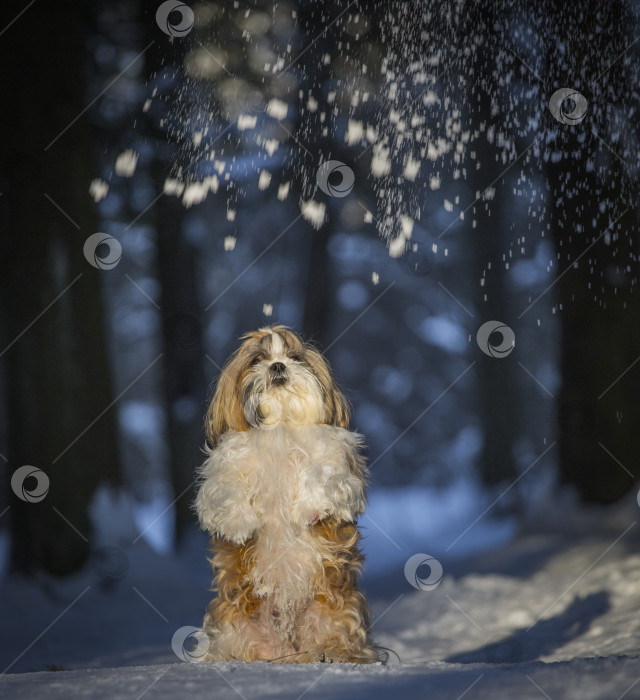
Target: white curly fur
[280,493]
[275,483]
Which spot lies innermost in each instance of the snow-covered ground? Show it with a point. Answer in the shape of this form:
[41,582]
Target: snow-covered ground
[552,613]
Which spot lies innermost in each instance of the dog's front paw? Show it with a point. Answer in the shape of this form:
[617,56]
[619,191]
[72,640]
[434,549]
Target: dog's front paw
[328,656]
[345,496]
[307,516]
[238,524]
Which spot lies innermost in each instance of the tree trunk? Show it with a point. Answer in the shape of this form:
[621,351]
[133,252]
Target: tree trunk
[184,384]
[54,350]
[599,315]
[497,404]
[184,388]
[317,299]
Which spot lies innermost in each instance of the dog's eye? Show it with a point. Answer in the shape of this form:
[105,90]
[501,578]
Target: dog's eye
[296,356]
[256,360]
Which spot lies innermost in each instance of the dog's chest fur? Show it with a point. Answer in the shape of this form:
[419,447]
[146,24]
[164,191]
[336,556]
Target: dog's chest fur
[276,483]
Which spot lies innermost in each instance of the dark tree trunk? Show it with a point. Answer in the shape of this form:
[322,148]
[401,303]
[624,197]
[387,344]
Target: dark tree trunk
[184,386]
[498,412]
[318,292]
[320,146]
[54,351]
[497,405]
[599,314]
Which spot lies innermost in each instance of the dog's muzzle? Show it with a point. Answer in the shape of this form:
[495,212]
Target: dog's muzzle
[278,373]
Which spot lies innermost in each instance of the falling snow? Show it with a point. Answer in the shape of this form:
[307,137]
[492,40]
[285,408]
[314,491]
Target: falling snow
[313,212]
[98,189]
[126,163]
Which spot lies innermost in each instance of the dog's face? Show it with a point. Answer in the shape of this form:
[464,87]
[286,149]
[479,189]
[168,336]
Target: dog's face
[274,377]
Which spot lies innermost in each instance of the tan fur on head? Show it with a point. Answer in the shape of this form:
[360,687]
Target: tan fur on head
[227,411]
[280,492]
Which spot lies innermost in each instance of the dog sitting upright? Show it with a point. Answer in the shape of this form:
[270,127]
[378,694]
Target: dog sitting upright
[280,492]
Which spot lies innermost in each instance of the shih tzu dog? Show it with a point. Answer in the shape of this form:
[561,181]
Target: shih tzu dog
[280,492]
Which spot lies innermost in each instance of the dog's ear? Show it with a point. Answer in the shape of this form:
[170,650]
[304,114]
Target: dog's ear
[340,409]
[225,411]
[336,404]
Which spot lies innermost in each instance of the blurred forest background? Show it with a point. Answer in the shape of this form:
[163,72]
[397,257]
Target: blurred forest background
[196,145]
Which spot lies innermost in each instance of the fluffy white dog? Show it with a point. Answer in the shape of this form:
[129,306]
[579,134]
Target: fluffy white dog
[280,492]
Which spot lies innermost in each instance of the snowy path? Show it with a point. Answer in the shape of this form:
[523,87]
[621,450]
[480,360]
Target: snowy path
[549,615]
[580,679]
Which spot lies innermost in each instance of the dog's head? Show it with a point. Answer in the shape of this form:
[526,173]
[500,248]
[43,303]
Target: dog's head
[274,377]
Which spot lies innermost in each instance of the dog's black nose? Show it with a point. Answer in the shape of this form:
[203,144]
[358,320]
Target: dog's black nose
[278,368]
